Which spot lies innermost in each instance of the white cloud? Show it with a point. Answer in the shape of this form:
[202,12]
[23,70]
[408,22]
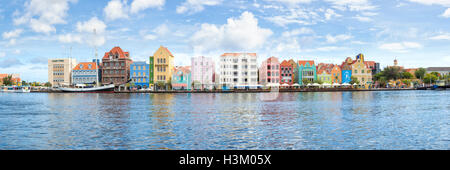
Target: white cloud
[352,5]
[329,13]
[400,47]
[150,37]
[42,15]
[291,2]
[17,51]
[295,16]
[241,33]
[445,36]
[86,33]
[194,6]
[162,30]
[297,32]
[70,38]
[139,5]
[2,54]
[89,26]
[12,34]
[432,2]
[362,18]
[116,9]
[12,42]
[337,38]
[446,14]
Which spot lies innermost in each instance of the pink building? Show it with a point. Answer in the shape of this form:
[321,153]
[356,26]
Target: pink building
[270,71]
[202,72]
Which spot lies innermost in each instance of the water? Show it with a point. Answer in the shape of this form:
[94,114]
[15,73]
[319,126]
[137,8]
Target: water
[330,120]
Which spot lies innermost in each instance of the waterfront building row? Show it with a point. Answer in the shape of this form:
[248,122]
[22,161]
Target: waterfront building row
[235,70]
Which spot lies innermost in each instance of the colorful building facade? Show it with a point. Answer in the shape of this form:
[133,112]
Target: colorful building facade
[361,72]
[151,72]
[139,72]
[181,78]
[324,73]
[202,70]
[306,71]
[336,74]
[287,73]
[86,73]
[295,68]
[116,67]
[270,71]
[164,65]
[346,69]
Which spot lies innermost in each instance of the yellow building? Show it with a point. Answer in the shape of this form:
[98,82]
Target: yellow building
[163,65]
[361,71]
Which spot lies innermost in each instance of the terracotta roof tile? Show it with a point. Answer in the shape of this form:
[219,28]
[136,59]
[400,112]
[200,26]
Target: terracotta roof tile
[85,66]
[303,62]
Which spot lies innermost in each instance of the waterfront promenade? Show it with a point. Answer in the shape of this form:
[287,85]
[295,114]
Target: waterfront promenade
[247,90]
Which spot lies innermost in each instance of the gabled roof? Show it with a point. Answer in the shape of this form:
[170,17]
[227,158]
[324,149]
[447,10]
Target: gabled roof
[184,69]
[86,66]
[303,62]
[286,63]
[119,51]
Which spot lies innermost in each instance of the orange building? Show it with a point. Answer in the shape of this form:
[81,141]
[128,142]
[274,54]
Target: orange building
[287,73]
[336,74]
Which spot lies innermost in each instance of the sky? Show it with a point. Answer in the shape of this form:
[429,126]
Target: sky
[416,32]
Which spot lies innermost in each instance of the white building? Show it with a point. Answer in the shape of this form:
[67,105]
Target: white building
[202,72]
[238,70]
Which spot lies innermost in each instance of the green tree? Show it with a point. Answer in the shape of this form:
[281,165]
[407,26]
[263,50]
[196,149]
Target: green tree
[392,73]
[7,81]
[382,81]
[306,82]
[407,75]
[169,84]
[354,80]
[420,73]
[430,78]
[436,74]
[48,84]
[160,84]
[318,81]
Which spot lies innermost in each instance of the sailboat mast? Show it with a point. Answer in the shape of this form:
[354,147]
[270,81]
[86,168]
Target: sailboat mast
[96,60]
[70,67]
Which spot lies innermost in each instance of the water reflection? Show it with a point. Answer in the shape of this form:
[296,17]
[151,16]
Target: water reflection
[331,120]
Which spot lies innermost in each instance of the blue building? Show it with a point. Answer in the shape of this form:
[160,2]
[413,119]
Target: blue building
[306,71]
[139,73]
[346,69]
[86,73]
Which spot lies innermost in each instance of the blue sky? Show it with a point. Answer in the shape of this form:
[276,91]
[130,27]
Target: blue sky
[416,32]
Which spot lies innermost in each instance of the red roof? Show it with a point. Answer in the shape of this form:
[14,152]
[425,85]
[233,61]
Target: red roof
[285,64]
[119,51]
[303,62]
[370,63]
[85,66]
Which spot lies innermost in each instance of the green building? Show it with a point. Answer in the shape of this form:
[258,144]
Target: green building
[151,72]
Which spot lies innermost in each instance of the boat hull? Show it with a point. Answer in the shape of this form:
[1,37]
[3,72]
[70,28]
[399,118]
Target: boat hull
[103,89]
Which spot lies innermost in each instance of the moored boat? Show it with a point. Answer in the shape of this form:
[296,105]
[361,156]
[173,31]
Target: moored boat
[107,88]
[15,89]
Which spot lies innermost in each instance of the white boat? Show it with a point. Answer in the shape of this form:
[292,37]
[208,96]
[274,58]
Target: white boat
[16,89]
[107,88]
